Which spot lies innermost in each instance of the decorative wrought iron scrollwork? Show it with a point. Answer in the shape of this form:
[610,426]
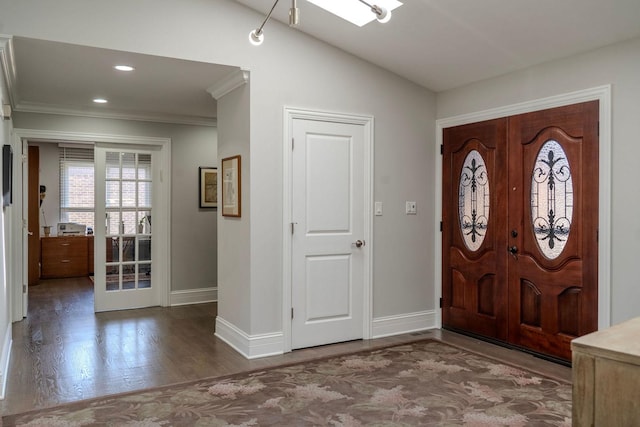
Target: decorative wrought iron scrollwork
[473,203]
[551,199]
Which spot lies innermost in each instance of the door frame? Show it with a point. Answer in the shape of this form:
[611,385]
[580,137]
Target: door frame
[367,122]
[18,220]
[601,94]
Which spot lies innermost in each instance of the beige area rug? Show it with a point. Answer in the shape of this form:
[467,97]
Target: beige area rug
[425,383]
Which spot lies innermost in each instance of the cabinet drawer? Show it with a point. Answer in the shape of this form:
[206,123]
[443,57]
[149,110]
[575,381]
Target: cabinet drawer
[64,256]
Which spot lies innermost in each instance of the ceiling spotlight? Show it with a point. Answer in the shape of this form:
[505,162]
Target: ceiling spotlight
[124,68]
[256,37]
[382,14]
[100,100]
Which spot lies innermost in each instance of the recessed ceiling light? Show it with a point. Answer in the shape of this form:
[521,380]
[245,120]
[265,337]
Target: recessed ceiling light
[124,68]
[355,12]
[100,100]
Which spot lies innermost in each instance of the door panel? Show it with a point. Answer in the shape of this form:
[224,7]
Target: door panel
[33,196]
[557,269]
[532,281]
[124,197]
[474,270]
[328,215]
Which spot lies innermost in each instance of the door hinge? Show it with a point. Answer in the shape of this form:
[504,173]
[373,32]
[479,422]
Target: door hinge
[441,149]
[292,227]
[293,143]
[24,289]
[440,302]
[292,312]
[441,226]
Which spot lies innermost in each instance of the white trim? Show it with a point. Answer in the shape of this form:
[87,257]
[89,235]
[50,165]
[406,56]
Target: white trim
[404,323]
[162,269]
[601,94]
[230,82]
[8,64]
[250,346]
[31,107]
[4,359]
[368,130]
[194,296]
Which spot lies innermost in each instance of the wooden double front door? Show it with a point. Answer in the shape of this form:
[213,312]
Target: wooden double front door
[520,228]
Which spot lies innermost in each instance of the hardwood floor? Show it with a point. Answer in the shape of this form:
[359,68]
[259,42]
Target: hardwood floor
[65,352]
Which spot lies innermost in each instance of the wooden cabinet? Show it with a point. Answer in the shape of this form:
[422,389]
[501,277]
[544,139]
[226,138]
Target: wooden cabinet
[68,256]
[606,375]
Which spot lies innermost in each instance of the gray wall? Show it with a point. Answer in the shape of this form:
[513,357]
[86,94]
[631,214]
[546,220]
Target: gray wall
[193,230]
[289,69]
[5,257]
[618,65]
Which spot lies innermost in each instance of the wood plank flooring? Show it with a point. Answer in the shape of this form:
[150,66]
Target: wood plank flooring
[64,352]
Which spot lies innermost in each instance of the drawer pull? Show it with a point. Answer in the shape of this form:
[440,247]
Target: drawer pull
[65,244]
[65,260]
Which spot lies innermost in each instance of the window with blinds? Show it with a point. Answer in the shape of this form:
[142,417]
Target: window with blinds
[77,186]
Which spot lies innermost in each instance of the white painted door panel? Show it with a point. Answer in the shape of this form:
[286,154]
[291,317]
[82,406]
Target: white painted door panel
[328,215]
[124,188]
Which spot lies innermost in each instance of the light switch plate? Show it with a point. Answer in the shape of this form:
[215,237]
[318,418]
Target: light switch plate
[411,208]
[378,208]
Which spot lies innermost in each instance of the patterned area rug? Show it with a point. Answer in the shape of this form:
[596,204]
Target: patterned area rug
[423,383]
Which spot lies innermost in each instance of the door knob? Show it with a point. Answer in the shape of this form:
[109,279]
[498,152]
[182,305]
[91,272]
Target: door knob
[513,250]
[359,243]
[30,233]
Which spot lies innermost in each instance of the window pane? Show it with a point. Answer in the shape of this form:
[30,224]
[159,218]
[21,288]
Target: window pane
[128,166]
[128,194]
[112,194]
[144,194]
[113,223]
[113,165]
[144,166]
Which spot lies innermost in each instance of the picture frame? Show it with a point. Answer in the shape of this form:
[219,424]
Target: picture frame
[208,182]
[231,186]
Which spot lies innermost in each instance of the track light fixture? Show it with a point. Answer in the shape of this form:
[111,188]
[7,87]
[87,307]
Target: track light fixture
[256,37]
[382,14]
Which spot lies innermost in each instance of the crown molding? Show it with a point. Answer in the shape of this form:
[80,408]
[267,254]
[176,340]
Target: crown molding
[232,81]
[118,115]
[7,62]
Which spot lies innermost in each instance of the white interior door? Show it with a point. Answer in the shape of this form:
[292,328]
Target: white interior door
[328,242]
[125,194]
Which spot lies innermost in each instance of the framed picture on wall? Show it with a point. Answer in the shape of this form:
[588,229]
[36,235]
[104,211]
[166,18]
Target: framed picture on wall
[231,186]
[208,187]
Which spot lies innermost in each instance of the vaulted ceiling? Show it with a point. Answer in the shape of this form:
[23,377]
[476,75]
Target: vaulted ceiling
[438,44]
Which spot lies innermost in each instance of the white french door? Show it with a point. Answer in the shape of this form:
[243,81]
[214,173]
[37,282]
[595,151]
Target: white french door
[329,250]
[124,252]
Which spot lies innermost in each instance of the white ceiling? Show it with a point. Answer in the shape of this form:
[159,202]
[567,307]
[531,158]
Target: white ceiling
[64,78]
[443,44]
[438,44]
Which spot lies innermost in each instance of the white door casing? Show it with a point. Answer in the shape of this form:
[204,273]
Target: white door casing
[330,191]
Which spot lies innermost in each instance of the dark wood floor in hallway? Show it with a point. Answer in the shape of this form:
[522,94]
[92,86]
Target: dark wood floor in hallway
[64,352]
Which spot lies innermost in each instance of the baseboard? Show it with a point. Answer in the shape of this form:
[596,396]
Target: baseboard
[404,323]
[4,360]
[250,346]
[194,296]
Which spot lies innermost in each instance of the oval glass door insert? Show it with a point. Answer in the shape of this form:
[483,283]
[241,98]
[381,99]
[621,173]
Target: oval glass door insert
[551,199]
[473,200]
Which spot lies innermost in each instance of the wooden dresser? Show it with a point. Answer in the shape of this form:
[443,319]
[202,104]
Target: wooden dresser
[606,377]
[67,256]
